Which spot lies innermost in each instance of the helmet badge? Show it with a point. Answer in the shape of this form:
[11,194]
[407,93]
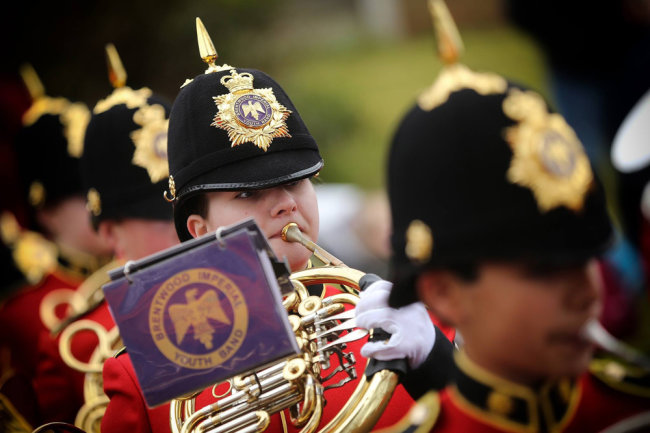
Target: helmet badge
[248,114]
[547,155]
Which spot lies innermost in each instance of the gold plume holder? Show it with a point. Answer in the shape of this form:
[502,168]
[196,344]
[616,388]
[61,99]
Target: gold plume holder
[116,71]
[207,51]
[450,44]
[32,82]
[206,47]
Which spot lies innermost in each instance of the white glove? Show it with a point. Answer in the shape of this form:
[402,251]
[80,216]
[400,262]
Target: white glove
[412,333]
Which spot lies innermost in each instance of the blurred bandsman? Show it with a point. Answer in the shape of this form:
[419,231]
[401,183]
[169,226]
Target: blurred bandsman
[124,173]
[497,222]
[61,249]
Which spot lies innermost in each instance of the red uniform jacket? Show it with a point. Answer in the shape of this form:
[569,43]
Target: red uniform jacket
[20,327]
[127,410]
[58,387]
[20,320]
[595,401]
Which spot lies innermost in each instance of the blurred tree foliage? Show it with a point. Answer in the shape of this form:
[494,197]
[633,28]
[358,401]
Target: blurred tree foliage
[65,40]
[350,86]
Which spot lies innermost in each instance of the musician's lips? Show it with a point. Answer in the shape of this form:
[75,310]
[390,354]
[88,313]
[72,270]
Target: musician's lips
[572,339]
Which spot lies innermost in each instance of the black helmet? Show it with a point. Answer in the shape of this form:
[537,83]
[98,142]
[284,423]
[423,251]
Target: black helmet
[124,165]
[233,129]
[49,145]
[480,169]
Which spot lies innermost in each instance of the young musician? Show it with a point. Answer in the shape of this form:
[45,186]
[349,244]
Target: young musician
[238,148]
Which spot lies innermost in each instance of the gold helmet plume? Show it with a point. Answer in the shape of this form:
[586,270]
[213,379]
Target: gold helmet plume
[116,71]
[450,44]
[454,76]
[73,116]
[122,93]
[206,47]
[32,82]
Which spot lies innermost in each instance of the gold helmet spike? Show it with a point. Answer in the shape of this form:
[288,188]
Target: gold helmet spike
[116,72]
[206,47]
[450,44]
[32,82]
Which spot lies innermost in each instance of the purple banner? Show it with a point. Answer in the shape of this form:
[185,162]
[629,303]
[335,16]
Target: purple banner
[201,317]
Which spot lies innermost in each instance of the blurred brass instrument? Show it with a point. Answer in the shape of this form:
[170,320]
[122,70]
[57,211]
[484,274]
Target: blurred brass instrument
[95,401]
[80,301]
[90,297]
[595,333]
[296,383]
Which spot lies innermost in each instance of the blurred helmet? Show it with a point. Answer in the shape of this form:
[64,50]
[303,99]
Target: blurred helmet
[124,165]
[482,170]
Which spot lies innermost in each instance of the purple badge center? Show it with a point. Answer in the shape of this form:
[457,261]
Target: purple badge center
[160,145]
[558,156]
[252,110]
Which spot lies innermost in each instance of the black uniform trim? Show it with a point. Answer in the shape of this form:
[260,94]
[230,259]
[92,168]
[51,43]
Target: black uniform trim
[435,372]
[512,406]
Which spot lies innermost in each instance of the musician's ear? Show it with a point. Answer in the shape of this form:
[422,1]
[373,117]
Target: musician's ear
[197,225]
[106,232]
[442,292]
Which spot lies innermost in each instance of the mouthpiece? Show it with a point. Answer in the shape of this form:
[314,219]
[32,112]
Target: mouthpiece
[595,333]
[291,233]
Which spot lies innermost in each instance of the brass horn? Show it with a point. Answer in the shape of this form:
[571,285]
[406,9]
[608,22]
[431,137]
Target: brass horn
[95,401]
[296,383]
[599,336]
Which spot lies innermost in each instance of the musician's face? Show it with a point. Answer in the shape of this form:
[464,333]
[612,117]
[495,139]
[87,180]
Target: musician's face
[272,209]
[523,324]
[133,239]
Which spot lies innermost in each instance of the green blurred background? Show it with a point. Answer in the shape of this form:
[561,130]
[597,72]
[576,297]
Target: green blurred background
[351,67]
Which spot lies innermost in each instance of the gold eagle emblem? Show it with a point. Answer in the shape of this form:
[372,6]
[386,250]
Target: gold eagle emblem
[195,313]
[248,114]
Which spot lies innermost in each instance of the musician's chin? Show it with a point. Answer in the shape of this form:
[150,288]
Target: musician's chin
[573,353]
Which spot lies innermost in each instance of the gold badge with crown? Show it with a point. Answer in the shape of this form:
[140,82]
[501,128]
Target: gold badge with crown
[419,242]
[248,114]
[36,194]
[75,120]
[94,202]
[547,155]
[151,141]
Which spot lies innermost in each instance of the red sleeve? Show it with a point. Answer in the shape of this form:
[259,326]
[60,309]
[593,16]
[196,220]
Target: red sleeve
[59,389]
[449,331]
[126,411]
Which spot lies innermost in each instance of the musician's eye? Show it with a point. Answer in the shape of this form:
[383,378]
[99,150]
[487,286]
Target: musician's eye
[245,194]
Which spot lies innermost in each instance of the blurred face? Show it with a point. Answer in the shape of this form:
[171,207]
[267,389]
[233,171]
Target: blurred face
[272,209]
[68,224]
[523,326]
[134,239]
